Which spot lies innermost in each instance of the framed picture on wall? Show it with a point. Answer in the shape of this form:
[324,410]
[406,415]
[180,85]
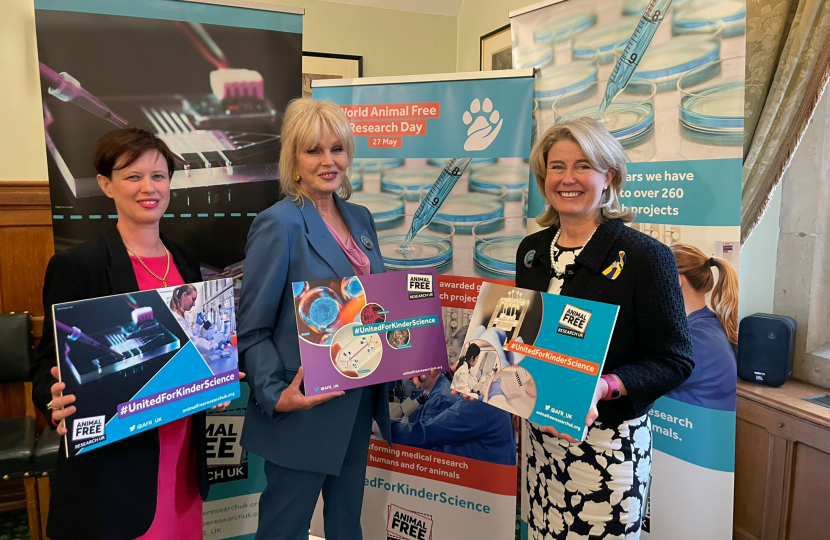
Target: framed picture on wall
[496,52]
[317,65]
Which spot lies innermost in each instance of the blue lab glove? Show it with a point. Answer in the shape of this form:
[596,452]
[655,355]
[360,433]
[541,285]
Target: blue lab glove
[199,318]
[495,389]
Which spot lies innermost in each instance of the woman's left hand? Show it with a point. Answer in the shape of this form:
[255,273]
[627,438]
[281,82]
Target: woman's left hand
[222,406]
[599,393]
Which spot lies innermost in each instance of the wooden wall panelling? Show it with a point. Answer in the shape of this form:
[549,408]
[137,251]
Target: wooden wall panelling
[26,244]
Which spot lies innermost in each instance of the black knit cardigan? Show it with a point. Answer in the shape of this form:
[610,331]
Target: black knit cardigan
[651,351]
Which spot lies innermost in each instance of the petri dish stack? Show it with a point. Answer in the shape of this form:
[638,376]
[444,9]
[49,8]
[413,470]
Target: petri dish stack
[387,209]
[600,42]
[563,28]
[464,211]
[712,112]
[372,165]
[537,55]
[408,180]
[556,81]
[629,118]
[706,16]
[634,8]
[664,63]
[356,180]
[495,179]
[495,245]
[431,248]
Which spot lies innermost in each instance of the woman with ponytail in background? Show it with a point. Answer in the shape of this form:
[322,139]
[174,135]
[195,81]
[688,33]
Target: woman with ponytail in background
[714,331]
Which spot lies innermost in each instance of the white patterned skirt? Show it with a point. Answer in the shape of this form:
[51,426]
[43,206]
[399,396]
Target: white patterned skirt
[591,489]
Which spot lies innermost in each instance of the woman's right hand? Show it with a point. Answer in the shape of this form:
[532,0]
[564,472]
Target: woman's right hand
[292,399]
[61,404]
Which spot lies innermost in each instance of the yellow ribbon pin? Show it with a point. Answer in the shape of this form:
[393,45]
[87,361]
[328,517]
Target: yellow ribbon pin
[614,271]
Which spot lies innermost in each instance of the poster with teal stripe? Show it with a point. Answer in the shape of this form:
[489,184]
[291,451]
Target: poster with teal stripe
[676,71]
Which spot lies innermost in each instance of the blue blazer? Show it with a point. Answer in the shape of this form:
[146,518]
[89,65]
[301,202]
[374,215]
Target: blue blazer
[290,242]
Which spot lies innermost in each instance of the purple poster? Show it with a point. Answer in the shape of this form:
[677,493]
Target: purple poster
[358,331]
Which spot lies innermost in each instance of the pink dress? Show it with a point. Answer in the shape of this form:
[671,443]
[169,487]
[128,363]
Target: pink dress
[179,505]
[359,261]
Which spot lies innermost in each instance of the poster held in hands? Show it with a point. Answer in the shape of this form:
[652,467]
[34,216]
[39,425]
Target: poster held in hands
[362,330]
[536,355]
[137,361]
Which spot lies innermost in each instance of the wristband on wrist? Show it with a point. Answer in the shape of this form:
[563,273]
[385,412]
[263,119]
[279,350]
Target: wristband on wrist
[614,390]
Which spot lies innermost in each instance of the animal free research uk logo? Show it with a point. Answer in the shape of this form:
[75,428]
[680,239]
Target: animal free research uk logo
[88,428]
[403,524]
[574,321]
[484,123]
[419,286]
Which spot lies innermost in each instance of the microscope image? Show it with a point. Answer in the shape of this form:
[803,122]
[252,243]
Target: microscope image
[117,348]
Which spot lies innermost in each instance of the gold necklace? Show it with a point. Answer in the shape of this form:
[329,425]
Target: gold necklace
[163,279]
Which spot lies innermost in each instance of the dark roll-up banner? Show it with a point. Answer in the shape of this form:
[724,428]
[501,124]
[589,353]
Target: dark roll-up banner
[212,81]
[451,470]
[680,121]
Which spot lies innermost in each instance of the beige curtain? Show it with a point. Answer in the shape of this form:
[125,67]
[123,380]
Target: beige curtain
[787,67]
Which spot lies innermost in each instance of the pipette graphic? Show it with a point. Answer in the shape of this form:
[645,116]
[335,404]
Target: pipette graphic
[435,198]
[75,334]
[634,50]
[66,88]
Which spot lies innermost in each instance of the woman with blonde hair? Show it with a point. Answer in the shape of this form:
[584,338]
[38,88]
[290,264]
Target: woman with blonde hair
[596,487]
[714,331]
[318,443]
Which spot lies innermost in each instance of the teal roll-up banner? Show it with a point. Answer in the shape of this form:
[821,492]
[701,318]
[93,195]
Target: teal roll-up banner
[679,119]
[451,470]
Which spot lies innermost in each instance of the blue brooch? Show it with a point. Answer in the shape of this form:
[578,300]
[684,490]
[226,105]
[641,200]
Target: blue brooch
[528,260]
[367,242]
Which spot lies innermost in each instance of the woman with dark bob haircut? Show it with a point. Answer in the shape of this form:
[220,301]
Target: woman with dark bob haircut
[157,477]
[596,487]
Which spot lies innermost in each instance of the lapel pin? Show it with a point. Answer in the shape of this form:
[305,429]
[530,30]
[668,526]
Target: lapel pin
[614,271]
[367,242]
[529,258]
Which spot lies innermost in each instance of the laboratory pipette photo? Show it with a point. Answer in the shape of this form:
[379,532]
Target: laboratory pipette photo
[67,88]
[634,51]
[75,334]
[438,193]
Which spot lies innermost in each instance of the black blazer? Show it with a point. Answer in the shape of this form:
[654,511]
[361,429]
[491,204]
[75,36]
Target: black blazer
[89,489]
[651,350]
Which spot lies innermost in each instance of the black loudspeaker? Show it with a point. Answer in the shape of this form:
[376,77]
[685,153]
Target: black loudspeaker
[766,345]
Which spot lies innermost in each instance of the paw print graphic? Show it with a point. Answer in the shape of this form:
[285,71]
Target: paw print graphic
[484,124]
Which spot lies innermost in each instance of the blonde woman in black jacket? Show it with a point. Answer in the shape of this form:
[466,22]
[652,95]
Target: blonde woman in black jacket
[597,486]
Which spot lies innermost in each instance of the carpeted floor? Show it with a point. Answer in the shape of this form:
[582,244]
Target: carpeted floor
[14,525]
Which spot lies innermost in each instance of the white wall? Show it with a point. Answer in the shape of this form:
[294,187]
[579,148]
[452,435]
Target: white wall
[22,150]
[757,269]
[477,18]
